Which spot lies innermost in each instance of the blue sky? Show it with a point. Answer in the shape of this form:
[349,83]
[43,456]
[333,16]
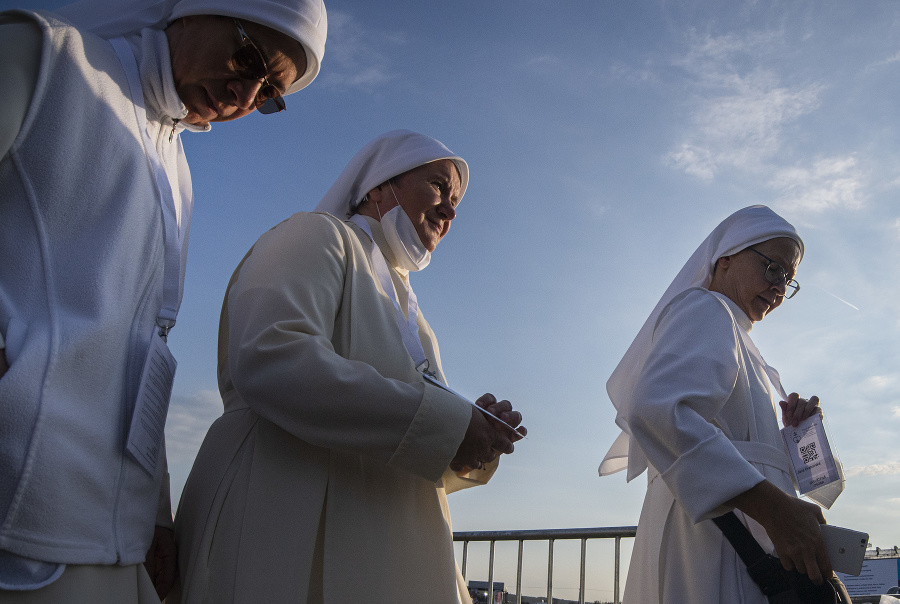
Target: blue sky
[605,139]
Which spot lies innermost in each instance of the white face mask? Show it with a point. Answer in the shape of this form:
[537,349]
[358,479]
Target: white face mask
[401,235]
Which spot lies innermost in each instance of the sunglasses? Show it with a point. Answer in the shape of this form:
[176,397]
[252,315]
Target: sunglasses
[250,64]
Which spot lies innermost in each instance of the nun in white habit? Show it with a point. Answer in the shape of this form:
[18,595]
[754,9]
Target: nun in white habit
[96,204]
[325,480]
[696,404]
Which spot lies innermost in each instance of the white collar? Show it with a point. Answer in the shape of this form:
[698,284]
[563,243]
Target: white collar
[164,107]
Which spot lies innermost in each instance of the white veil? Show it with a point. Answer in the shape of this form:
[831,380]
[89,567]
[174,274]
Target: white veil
[383,158]
[746,227]
[302,20]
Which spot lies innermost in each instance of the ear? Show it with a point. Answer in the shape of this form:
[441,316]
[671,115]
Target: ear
[376,195]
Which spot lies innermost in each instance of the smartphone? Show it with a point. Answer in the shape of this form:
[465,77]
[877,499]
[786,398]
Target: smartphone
[846,548]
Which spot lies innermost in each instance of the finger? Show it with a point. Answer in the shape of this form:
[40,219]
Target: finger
[502,445]
[486,400]
[499,408]
[824,565]
[513,418]
[785,412]
[787,563]
[809,409]
[812,570]
[522,430]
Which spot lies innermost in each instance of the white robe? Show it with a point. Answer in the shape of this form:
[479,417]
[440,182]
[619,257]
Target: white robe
[324,481]
[699,393]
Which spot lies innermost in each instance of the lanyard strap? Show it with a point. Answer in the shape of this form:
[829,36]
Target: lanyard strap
[172,283]
[408,326]
[774,378]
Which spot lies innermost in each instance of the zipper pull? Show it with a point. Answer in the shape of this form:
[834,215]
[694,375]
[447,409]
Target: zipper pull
[174,126]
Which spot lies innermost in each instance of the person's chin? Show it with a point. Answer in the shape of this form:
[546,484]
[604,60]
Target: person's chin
[232,116]
[198,117]
[760,309]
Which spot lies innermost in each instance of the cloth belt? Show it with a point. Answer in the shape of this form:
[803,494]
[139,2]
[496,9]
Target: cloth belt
[760,453]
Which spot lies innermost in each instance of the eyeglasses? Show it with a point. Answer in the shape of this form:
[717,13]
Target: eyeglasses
[250,64]
[775,274]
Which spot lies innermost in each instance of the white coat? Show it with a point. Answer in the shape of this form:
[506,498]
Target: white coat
[704,407]
[322,482]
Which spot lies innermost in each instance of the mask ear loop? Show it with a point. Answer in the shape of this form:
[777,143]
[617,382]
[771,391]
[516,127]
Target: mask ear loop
[395,195]
[377,209]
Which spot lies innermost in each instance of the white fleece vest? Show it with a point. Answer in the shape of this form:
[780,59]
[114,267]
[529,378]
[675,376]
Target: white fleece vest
[81,267]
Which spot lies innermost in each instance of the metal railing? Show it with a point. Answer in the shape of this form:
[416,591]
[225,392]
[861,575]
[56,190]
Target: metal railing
[550,535]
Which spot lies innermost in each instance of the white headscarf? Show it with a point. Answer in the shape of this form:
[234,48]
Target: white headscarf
[302,20]
[746,227]
[387,156]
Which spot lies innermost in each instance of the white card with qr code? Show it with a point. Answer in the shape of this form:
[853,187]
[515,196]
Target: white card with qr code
[811,456]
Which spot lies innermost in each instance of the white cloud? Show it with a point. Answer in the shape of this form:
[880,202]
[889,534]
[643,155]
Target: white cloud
[354,55]
[831,182]
[741,122]
[873,470]
[696,161]
[888,61]
[741,111]
[880,383]
[189,419]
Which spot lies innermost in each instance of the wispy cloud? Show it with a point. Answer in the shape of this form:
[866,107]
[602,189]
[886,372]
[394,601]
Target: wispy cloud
[888,61]
[881,469]
[831,182]
[742,120]
[742,108]
[881,383]
[356,57]
[189,419]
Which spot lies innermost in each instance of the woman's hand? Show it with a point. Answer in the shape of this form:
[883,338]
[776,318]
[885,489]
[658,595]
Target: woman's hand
[793,527]
[487,439]
[503,410]
[162,561]
[796,409]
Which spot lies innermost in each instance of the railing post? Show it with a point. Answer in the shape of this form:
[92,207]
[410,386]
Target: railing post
[549,535]
[519,573]
[491,575]
[465,552]
[550,573]
[581,582]
[616,578]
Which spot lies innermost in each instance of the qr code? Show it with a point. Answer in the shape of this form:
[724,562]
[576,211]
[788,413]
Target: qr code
[809,453]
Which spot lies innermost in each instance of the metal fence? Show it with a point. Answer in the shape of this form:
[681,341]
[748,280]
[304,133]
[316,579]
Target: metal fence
[551,535]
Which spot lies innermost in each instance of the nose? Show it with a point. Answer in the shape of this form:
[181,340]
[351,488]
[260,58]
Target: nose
[447,210]
[780,287]
[244,92]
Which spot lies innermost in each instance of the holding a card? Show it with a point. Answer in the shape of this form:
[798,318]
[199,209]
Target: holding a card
[326,478]
[696,404]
